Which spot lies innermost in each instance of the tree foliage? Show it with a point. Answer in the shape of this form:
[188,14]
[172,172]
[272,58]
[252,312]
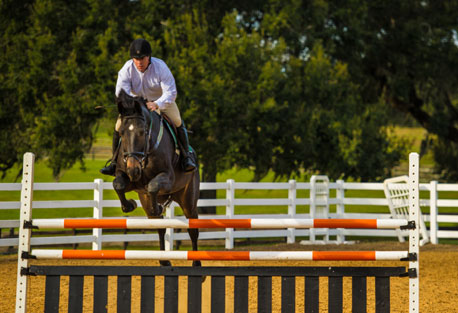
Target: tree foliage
[405,52]
[253,104]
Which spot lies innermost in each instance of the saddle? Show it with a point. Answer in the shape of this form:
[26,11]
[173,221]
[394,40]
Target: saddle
[173,131]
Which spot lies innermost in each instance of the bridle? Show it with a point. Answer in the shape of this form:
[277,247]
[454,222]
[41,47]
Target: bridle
[141,156]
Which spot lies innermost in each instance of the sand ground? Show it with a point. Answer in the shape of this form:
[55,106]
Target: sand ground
[438,281]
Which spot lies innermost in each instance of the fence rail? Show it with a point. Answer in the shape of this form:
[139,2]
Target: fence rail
[432,198]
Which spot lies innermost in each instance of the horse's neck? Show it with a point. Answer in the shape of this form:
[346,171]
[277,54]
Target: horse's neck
[153,119]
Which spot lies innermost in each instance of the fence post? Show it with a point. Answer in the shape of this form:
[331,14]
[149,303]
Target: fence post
[340,208]
[319,204]
[230,197]
[291,210]
[433,211]
[25,215]
[97,213]
[312,209]
[169,213]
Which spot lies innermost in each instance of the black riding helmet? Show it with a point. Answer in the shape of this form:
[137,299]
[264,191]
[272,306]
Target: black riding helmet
[140,48]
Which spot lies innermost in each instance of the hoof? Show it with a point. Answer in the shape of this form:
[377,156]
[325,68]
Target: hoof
[165,263]
[196,263]
[129,208]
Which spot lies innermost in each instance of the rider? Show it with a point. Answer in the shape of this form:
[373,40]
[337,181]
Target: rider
[151,79]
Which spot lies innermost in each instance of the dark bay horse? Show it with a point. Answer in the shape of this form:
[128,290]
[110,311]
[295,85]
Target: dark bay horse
[147,163]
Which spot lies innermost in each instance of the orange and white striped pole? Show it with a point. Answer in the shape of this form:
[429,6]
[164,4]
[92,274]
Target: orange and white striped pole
[260,223]
[222,255]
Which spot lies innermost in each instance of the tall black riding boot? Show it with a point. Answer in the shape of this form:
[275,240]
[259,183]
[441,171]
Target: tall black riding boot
[188,163]
[111,169]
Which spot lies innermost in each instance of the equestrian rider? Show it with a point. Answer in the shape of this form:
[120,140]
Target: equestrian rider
[150,78]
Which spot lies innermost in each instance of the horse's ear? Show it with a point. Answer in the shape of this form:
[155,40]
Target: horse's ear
[119,104]
[120,100]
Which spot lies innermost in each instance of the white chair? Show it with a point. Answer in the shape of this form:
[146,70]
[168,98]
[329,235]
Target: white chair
[397,193]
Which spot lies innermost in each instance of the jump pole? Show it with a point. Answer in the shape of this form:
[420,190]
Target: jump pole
[132,223]
[222,255]
[24,234]
[414,234]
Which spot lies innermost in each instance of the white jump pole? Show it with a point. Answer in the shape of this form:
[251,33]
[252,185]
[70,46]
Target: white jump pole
[256,223]
[414,234]
[222,255]
[24,234]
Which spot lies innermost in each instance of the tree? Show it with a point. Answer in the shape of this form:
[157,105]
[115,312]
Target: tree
[323,126]
[55,69]
[257,89]
[13,122]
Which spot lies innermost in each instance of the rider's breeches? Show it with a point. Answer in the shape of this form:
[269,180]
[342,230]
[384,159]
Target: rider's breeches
[171,111]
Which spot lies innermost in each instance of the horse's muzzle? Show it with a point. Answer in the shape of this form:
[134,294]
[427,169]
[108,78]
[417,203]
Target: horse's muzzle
[134,169]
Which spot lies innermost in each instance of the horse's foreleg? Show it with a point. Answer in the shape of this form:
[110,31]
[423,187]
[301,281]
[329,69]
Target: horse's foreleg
[120,184]
[147,201]
[163,182]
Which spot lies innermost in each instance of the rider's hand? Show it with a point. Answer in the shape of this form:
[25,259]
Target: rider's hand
[152,106]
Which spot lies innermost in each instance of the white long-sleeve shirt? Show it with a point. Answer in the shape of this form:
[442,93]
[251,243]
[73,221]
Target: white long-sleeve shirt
[155,84]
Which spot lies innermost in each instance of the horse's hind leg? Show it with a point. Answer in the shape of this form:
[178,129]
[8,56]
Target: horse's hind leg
[190,211]
[187,199]
[146,202]
[194,235]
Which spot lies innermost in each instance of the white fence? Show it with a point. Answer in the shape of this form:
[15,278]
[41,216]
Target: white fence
[292,203]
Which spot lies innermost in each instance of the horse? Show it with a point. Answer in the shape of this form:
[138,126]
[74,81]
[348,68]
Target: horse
[148,163]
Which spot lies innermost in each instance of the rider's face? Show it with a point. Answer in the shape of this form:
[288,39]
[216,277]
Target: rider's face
[141,64]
